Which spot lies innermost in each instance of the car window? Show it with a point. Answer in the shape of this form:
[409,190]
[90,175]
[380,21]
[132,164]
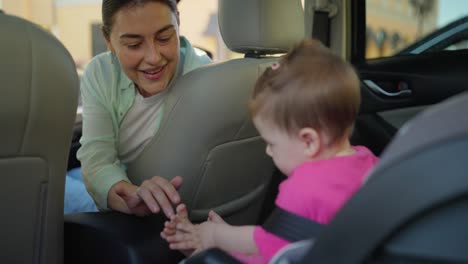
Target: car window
[402,27]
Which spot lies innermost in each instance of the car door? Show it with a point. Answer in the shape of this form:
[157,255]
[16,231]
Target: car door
[396,86]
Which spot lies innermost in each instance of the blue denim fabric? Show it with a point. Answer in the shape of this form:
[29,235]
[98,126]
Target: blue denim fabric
[77,198]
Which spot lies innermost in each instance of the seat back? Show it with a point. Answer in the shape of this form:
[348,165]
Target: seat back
[414,207]
[38,100]
[206,135]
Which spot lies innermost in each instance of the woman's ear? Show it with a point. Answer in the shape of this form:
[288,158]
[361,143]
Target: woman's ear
[312,141]
[108,42]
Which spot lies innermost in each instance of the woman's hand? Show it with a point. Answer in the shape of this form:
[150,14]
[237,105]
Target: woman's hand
[159,194]
[153,195]
[123,197]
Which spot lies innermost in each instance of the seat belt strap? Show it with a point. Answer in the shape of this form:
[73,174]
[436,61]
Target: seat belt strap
[291,227]
[322,12]
[321,27]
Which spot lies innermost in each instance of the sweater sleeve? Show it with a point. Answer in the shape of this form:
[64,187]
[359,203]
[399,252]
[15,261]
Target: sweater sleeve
[98,153]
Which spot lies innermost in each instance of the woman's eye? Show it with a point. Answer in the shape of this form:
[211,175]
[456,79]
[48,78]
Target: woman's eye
[164,40]
[133,46]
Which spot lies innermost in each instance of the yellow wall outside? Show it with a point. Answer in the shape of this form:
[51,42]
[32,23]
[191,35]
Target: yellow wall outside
[74,29]
[193,24]
[38,11]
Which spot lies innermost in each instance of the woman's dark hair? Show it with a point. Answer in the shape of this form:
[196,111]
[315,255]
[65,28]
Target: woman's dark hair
[111,7]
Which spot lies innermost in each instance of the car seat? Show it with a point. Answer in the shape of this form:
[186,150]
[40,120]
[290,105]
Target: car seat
[38,100]
[412,209]
[206,134]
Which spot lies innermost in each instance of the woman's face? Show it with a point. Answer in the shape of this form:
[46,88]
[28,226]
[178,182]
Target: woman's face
[145,39]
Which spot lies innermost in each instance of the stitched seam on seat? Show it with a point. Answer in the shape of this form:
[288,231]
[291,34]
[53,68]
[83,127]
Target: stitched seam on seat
[31,64]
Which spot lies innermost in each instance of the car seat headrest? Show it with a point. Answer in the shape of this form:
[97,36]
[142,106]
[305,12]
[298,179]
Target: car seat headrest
[34,68]
[261,26]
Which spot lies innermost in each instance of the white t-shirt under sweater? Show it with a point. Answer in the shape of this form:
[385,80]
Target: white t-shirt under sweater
[139,125]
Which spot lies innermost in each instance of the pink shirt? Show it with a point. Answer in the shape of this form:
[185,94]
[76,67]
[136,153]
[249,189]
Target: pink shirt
[315,190]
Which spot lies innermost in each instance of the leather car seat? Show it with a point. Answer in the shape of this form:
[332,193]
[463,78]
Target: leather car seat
[38,100]
[206,135]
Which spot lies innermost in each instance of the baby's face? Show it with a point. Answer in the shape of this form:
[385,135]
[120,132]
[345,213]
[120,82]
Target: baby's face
[288,151]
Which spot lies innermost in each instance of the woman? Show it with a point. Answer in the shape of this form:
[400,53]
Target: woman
[123,95]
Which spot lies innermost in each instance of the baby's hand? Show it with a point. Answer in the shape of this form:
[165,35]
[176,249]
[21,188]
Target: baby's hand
[170,230]
[216,218]
[181,216]
[194,237]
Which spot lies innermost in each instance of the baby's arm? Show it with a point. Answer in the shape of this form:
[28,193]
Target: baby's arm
[235,239]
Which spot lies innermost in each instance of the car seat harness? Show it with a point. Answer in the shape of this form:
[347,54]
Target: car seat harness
[290,226]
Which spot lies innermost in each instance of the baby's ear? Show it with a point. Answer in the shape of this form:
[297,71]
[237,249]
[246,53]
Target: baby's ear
[312,141]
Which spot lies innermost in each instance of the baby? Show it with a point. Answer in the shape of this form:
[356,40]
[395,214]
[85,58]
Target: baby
[304,107]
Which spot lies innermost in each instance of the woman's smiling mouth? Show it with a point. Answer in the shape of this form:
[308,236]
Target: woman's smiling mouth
[153,74]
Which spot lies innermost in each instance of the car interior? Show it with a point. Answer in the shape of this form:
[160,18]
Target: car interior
[413,116]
